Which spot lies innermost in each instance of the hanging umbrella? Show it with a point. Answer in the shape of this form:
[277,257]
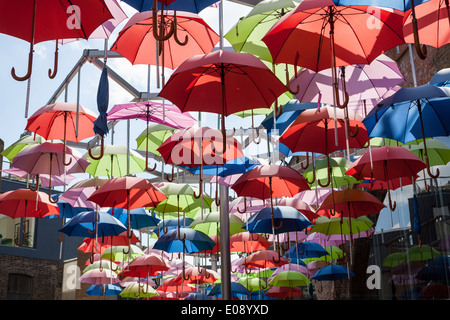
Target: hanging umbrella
[79,192]
[118,253]
[417,113]
[136,41]
[104,290]
[300,205]
[237,290]
[210,224]
[252,283]
[194,241]
[394,259]
[139,217]
[305,250]
[97,276]
[243,206]
[197,275]
[333,272]
[248,242]
[20,144]
[438,152]
[284,292]
[62,120]
[114,162]
[427,24]
[318,171]
[127,193]
[136,291]
[287,218]
[289,278]
[157,134]
[421,253]
[44,179]
[51,21]
[48,158]
[437,269]
[386,163]
[23,203]
[264,259]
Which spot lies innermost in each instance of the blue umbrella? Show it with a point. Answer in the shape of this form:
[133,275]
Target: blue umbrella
[104,290]
[66,209]
[170,224]
[184,240]
[234,166]
[306,250]
[84,225]
[101,124]
[402,5]
[197,296]
[286,219]
[411,114]
[333,272]
[437,269]
[237,290]
[441,78]
[291,110]
[139,217]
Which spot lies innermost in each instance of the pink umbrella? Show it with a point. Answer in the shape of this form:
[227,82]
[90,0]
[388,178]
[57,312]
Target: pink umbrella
[78,194]
[244,206]
[313,197]
[44,178]
[49,158]
[291,267]
[95,276]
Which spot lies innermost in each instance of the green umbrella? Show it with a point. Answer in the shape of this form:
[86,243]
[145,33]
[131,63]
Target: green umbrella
[116,253]
[319,171]
[114,162]
[421,253]
[252,283]
[394,259]
[289,278]
[101,264]
[21,144]
[209,224]
[340,225]
[438,152]
[157,134]
[138,290]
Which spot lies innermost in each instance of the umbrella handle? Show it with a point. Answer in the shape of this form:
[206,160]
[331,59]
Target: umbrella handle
[160,36]
[430,173]
[175,32]
[167,175]
[300,253]
[307,162]
[179,235]
[217,199]
[126,251]
[313,178]
[200,189]
[51,74]
[328,181]
[23,237]
[37,184]
[245,207]
[50,183]
[420,50]
[102,147]
[350,134]
[64,156]
[60,240]
[278,109]
[294,92]
[392,205]
[276,261]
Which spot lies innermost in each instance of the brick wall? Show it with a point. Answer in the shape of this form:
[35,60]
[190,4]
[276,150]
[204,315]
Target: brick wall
[46,276]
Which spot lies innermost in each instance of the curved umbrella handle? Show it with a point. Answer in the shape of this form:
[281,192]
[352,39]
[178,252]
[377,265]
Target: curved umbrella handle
[175,32]
[313,177]
[179,235]
[102,149]
[350,134]
[147,168]
[430,173]
[126,251]
[50,183]
[64,156]
[307,162]
[392,205]
[328,180]
[200,188]
[160,36]
[167,175]
[36,183]
[245,206]
[276,261]
[420,50]
[51,74]
[217,198]
[278,109]
[30,64]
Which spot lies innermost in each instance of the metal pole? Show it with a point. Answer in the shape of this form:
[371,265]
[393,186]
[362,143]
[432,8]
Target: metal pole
[225,255]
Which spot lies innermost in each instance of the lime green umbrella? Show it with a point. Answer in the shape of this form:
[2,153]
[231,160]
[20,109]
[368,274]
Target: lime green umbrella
[157,134]
[289,278]
[421,253]
[252,283]
[101,264]
[210,224]
[21,144]
[138,290]
[438,152]
[342,226]
[114,162]
[319,171]
[117,253]
[262,273]
[394,259]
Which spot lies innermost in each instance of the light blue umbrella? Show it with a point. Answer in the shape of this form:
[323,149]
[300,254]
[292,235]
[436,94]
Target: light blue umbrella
[104,290]
[139,217]
[91,224]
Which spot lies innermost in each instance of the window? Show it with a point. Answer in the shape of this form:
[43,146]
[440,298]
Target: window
[19,287]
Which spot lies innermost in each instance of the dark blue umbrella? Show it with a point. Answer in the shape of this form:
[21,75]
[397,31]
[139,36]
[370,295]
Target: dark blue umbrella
[286,219]
[333,272]
[184,240]
[139,217]
[237,290]
[306,250]
[104,290]
[197,296]
[234,166]
[437,269]
[83,225]
[101,124]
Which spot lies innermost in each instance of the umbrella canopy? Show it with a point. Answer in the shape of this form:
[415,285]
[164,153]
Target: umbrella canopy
[289,278]
[237,289]
[305,250]
[137,43]
[80,191]
[210,224]
[20,144]
[248,242]
[92,224]
[318,171]
[138,290]
[287,218]
[151,140]
[147,265]
[438,152]
[139,217]
[333,272]
[437,269]
[197,275]
[337,35]
[421,253]
[192,241]
[104,290]
[252,283]
[264,259]
[98,277]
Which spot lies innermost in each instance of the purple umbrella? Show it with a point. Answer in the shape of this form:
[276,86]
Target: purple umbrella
[361,81]
[44,178]
[151,111]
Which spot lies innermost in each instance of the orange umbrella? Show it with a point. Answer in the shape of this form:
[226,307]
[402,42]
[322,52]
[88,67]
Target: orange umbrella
[265,259]
[23,203]
[248,242]
[197,275]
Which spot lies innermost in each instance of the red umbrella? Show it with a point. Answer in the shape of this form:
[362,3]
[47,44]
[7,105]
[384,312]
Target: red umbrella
[319,131]
[23,203]
[372,184]
[197,275]
[136,41]
[248,242]
[36,21]
[265,259]
[301,206]
[386,163]
[127,193]
[269,181]
[284,292]
[223,82]
[62,120]
[432,27]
